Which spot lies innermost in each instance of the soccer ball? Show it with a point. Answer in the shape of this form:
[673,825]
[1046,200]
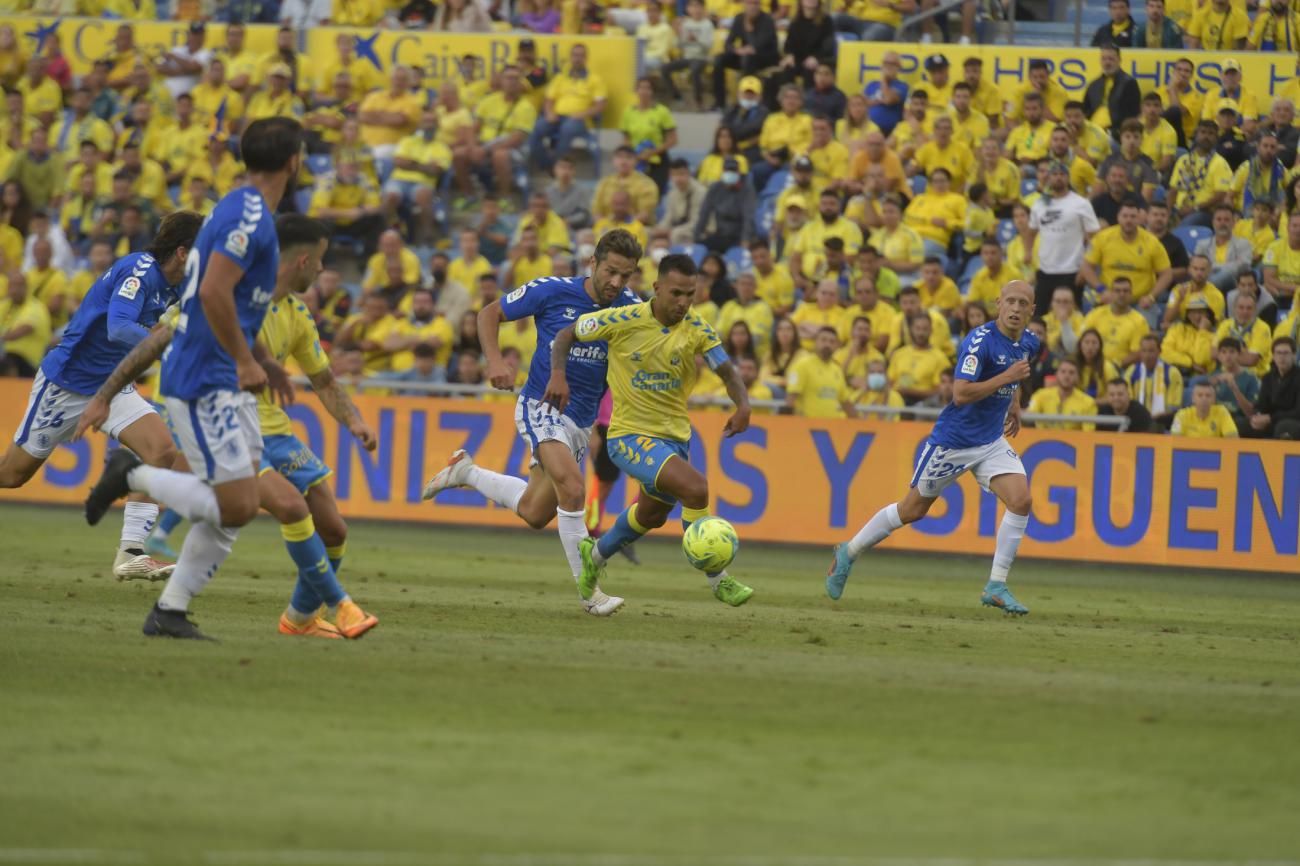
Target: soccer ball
[710,544]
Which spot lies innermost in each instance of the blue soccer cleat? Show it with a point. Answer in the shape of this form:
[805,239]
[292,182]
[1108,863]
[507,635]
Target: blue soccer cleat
[839,572]
[997,595]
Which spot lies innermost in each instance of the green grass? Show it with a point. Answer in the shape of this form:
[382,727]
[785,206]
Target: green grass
[1134,714]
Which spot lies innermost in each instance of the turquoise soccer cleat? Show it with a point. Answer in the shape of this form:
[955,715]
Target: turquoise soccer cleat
[159,548]
[589,580]
[997,595]
[841,563]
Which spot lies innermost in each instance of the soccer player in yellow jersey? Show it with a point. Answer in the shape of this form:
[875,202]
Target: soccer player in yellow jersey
[652,351]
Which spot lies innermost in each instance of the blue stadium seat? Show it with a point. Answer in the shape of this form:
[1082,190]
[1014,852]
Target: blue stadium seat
[845,36]
[968,274]
[302,200]
[1192,235]
[1027,186]
[693,157]
[777,182]
[738,261]
[1006,232]
[918,184]
[320,163]
[383,168]
[766,216]
[695,251]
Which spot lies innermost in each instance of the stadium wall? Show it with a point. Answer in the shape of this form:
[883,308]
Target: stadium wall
[1099,497]
[614,58]
[1007,66]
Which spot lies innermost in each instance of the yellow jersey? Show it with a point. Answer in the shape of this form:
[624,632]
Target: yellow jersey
[43,98]
[813,236]
[940,335]
[525,270]
[1188,347]
[1054,99]
[945,296]
[1159,143]
[1255,337]
[288,332]
[68,134]
[365,77]
[1003,181]
[1217,425]
[376,275]
[1284,260]
[777,287]
[809,313]
[421,151]
[910,367]
[1218,31]
[50,285]
[986,287]
[972,131]
[1209,293]
[1055,327]
[499,117]
[408,104]
[377,360]
[468,273]
[1048,401]
[634,225]
[331,193]
[883,318]
[1260,237]
[757,316]
[830,162]
[878,398]
[927,207]
[902,244]
[789,131]
[855,365]
[572,96]
[1121,333]
[1027,143]
[1196,179]
[956,158]
[818,387]
[651,367]
[103,179]
[1140,259]
[553,233]
[439,328]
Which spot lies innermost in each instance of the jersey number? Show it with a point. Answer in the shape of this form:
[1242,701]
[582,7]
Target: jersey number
[191,288]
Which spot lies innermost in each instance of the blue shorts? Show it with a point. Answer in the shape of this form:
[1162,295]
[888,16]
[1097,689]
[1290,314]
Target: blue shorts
[283,453]
[642,458]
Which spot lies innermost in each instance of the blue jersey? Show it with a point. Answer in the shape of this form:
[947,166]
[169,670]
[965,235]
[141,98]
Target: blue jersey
[242,228]
[985,353]
[555,303]
[117,313]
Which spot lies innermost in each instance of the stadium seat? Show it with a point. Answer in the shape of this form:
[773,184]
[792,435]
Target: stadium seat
[693,157]
[918,184]
[777,182]
[695,251]
[1028,186]
[1006,231]
[320,163]
[1192,235]
[738,261]
[766,216]
[383,168]
[302,200]
[968,274]
[591,143]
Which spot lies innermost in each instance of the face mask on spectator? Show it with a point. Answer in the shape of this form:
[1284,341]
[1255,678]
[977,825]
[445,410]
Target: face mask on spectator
[731,178]
[657,254]
[586,251]
[748,104]
[875,381]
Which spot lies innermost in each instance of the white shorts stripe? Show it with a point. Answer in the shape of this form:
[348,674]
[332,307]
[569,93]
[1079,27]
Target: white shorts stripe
[538,422]
[219,434]
[53,412]
[939,467]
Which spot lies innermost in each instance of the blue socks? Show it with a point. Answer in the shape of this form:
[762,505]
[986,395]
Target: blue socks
[624,531]
[316,580]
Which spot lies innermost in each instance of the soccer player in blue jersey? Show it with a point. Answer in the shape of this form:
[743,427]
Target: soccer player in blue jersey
[209,376]
[291,478]
[117,313]
[970,436]
[558,439]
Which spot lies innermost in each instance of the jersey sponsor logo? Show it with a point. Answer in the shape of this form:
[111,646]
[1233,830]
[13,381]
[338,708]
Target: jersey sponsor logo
[970,365]
[516,294]
[587,353]
[130,287]
[588,326]
[237,243]
[643,380]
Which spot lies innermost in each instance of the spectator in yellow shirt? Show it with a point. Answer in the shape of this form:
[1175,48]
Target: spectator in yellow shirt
[1121,327]
[574,98]
[867,305]
[642,190]
[49,285]
[423,327]
[786,134]
[217,166]
[216,104]
[1205,418]
[816,387]
[368,332]
[350,204]
[418,164]
[387,116]
[503,120]
[1202,178]
[1063,398]
[552,232]
[829,158]
[823,312]
[775,284]
[915,368]
[986,285]
[1189,342]
[24,329]
[901,247]
[527,260]
[747,307]
[1218,25]
[1159,139]
[78,125]
[1027,143]
[879,391]
[42,97]
[357,13]
[748,369]
[277,100]
[943,152]
[936,213]
[1247,328]
[148,180]
[621,217]
[362,73]
[858,352]
[1040,86]
[938,292]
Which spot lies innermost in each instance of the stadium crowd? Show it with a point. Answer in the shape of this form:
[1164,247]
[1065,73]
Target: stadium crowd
[847,241]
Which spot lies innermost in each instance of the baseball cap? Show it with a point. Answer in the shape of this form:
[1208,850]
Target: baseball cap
[1057,166]
[527,43]
[803,163]
[1228,105]
[798,201]
[196,27]
[280,69]
[1198,304]
[751,83]
[1231,65]
[936,61]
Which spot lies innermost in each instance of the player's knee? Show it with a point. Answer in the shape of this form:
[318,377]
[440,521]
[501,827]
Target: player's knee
[535,519]
[162,455]
[570,494]
[241,513]
[696,494]
[1021,503]
[332,530]
[910,511]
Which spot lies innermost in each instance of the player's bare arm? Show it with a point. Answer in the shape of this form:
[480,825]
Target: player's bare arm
[217,295]
[739,420]
[277,378]
[337,402]
[133,366]
[964,391]
[557,389]
[489,324]
[1012,425]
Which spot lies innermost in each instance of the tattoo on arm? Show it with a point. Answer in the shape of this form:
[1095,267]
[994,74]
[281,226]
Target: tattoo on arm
[138,360]
[735,388]
[333,397]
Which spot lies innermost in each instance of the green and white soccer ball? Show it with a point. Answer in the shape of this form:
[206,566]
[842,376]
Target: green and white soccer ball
[710,544]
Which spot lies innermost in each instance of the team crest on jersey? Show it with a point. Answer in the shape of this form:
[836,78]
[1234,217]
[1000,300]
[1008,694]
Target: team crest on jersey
[587,326]
[1002,359]
[237,243]
[570,313]
[635,357]
[970,365]
[674,360]
[130,287]
[516,294]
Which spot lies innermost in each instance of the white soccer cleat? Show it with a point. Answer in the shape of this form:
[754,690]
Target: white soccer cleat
[129,566]
[600,604]
[455,474]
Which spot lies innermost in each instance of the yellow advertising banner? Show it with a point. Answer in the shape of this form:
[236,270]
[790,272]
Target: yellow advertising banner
[1007,66]
[1099,497]
[613,58]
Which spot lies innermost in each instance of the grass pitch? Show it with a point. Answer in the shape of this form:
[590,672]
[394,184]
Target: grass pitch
[1133,715]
